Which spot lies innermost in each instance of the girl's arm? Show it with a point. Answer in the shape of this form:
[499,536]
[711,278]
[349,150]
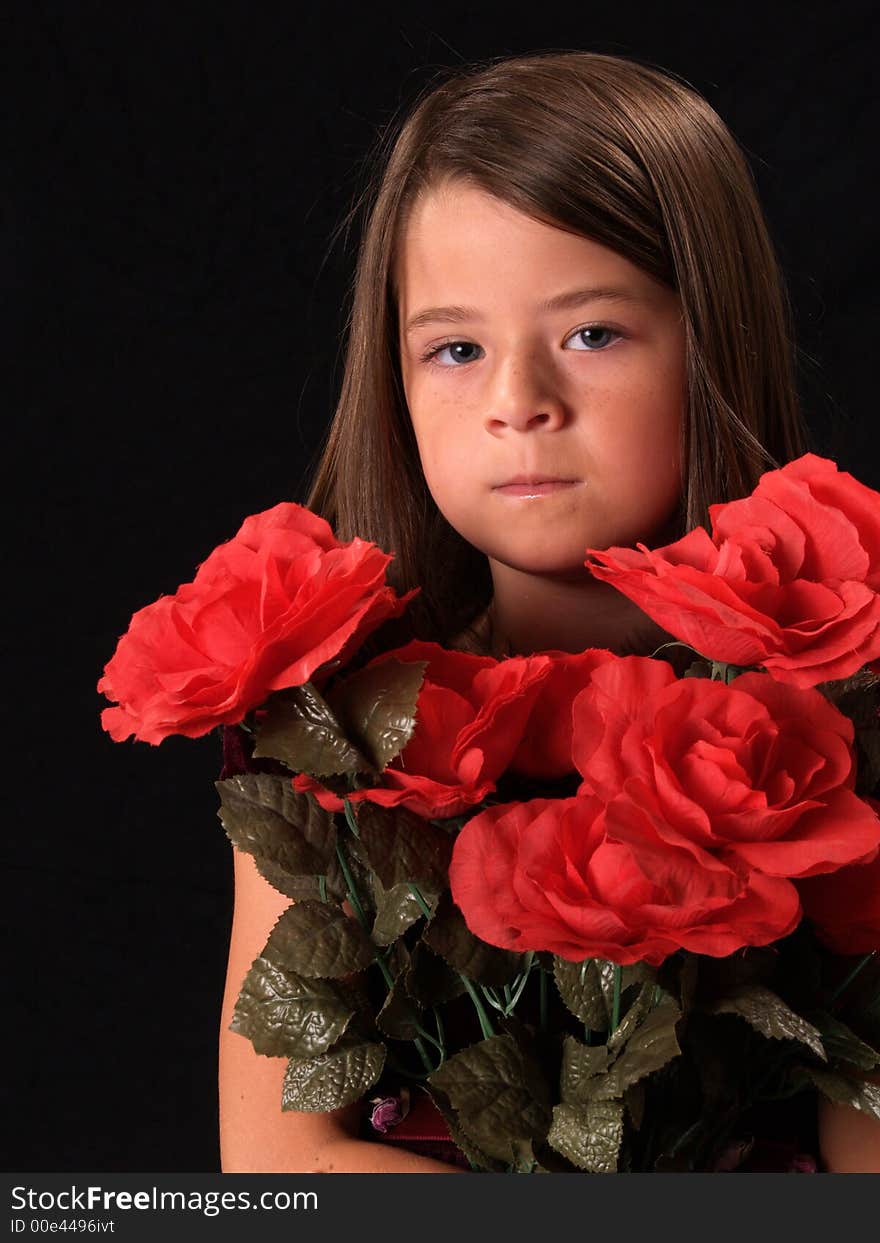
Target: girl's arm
[256,1136]
[849,1140]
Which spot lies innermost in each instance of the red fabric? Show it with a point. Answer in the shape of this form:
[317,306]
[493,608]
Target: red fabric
[422,1131]
[423,1122]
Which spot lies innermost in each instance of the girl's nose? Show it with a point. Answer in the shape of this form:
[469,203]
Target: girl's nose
[523,397]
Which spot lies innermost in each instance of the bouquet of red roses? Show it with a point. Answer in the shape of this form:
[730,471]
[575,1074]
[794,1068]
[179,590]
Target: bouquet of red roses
[596,911]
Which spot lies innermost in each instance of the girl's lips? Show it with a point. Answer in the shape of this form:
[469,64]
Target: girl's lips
[536,489]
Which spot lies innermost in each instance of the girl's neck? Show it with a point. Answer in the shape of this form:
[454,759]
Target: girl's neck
[535,612]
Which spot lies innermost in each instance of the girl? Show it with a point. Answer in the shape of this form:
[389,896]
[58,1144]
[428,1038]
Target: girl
[569,330]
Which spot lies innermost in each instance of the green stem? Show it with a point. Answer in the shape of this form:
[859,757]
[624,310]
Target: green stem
[724,672]
[414,890]
[675,644]
[852,975]
[485,1026]
[492,998]
[350,818]
[383,967]
[615,1004]
[356,902]
[520,982]
[431,1040]
[395,1064]
[683,1139]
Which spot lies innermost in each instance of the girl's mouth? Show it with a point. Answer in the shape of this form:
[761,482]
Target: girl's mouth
[543,487]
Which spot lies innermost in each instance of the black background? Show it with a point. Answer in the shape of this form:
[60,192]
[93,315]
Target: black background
[172,319]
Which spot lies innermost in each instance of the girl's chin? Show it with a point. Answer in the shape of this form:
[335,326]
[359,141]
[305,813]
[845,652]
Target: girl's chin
[544,564]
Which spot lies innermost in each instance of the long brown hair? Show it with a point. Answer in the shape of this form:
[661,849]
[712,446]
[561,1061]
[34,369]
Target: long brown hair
[618,152]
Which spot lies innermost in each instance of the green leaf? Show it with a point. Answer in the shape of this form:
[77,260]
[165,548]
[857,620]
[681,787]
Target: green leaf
[300,730]
[399,1016]
[717,1063]
[688,977]
[378,706]
[288,834]
[634,1015]
[589,1135]
[319,939]
[587,988]
[297,887]
[580,1063]
[401,846]
[580,988]
[429,980]
[552,1162]
[631,975]
[359,869]
[285,1015]
[396,910]
[498,1093]
[336,1078]
[478,1159]
[524,1159]
[843,1045]
[448,935]
[652,1045]
[634,1100]
[769,1015]
[856,1093]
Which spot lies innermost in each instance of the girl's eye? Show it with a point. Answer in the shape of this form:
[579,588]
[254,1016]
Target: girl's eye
[599,336]
[592,338]
[431,355]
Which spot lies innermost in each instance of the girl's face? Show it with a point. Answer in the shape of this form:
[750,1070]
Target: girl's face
[527,351]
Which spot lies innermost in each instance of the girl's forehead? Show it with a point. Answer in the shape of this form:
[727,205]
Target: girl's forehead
[461,245]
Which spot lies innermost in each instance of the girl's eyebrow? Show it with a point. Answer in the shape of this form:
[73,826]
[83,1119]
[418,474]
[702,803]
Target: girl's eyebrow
[560,302]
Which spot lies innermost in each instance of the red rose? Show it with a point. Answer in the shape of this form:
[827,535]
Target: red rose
[756,768]
[266,610]
[584,880]
[544,751]
[470,715]
[788,580]
[845,905]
